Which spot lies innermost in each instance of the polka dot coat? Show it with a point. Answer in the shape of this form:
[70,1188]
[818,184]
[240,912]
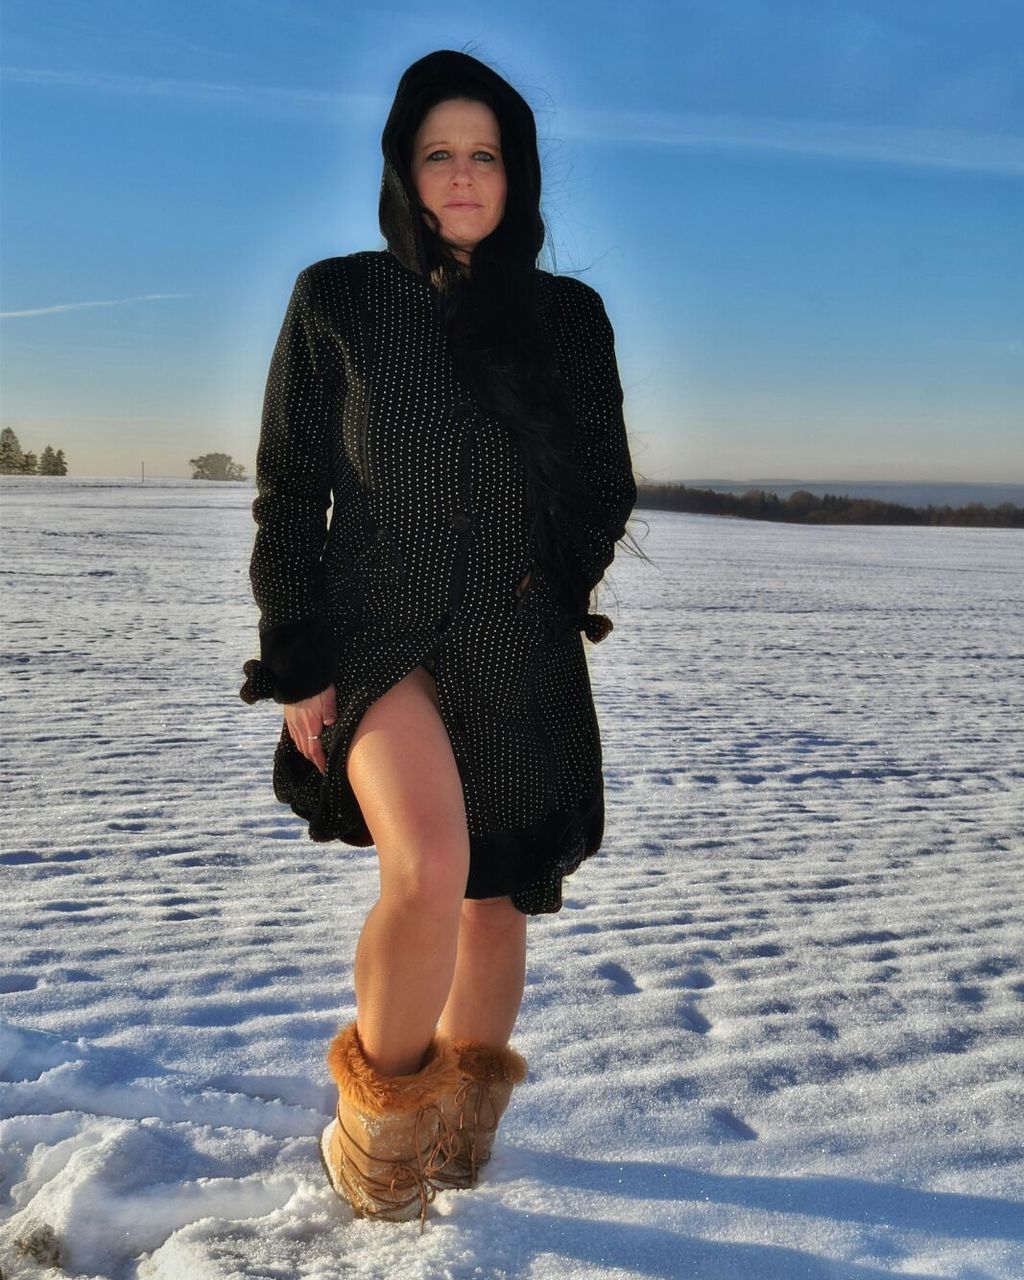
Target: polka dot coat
[424,557]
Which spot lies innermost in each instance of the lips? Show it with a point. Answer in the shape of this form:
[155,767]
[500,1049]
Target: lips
[462,204]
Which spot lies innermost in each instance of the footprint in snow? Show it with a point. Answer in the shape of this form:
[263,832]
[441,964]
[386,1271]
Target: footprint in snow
[760,950]
[624,982]
[733,1124]
[693,1020]
[696,980]
[11,982]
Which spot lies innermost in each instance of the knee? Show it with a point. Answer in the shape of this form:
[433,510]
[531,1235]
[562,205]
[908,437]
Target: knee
[491,916]
[429,884]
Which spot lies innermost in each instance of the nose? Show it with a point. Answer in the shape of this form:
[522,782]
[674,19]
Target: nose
[463,170]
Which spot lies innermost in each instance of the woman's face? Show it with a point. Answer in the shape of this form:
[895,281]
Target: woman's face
[459,173]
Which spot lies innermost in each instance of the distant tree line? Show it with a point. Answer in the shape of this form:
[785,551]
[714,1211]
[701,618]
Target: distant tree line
[14,462]
[804,507]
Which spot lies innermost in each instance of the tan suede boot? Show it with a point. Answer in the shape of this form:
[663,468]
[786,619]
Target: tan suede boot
[473,1109]
[389,1139]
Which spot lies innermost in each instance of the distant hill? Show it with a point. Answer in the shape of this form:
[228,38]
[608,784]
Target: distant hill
[804,506]
[911,493]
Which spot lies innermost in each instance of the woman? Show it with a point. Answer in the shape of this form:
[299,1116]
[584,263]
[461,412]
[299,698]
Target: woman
[464,409]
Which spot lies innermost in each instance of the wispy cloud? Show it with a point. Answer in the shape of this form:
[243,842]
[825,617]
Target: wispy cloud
[172,87]
[949,149]
[889,144]
[80,306]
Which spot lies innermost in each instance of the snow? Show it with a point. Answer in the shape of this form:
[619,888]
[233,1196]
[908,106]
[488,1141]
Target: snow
[774,1034]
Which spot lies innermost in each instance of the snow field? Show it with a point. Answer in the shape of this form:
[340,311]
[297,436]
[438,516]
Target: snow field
[774,1033]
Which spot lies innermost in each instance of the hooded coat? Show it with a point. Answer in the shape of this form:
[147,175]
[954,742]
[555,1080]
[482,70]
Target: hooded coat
[392,531]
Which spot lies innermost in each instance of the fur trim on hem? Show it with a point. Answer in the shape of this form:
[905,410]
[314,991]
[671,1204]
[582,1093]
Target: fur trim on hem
[369,1091]
[488,1063]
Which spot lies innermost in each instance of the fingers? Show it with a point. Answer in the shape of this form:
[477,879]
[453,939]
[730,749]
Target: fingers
[305,719]
[304,728]
[316,752]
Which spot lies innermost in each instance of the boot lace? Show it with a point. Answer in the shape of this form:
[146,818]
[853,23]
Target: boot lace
[472,1097]
[416,1175]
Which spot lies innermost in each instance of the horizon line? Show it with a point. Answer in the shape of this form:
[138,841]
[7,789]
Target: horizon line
[758,482]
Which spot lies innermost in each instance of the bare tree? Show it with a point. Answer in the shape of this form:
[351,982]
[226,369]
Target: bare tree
[216,466]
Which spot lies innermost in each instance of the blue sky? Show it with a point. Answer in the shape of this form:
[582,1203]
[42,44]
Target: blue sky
[806,219]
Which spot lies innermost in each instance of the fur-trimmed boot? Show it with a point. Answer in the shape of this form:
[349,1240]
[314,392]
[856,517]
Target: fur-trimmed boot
[389,1140]
[473,1109]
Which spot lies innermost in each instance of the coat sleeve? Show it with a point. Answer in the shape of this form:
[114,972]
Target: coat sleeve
[606,464]
[293,484]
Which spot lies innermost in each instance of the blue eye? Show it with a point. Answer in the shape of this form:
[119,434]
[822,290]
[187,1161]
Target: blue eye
[486,154]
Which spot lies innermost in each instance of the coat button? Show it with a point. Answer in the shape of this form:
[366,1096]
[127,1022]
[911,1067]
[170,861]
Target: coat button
[461,520]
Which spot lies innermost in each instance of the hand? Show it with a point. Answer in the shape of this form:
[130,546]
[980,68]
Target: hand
[305,719]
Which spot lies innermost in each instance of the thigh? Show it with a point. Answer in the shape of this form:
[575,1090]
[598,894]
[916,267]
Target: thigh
[403,771]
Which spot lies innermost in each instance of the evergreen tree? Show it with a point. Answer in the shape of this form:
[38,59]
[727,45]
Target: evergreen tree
[29,464]
[47,462]
[60,463]
[11,457]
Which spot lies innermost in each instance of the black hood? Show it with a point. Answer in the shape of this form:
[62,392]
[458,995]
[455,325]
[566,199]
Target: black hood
[494,319]
[435,78]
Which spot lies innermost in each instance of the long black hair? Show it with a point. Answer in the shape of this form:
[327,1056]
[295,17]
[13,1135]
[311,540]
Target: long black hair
[493,316]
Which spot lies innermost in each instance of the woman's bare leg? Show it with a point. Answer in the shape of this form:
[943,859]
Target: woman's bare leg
[490,971]
[403,772]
